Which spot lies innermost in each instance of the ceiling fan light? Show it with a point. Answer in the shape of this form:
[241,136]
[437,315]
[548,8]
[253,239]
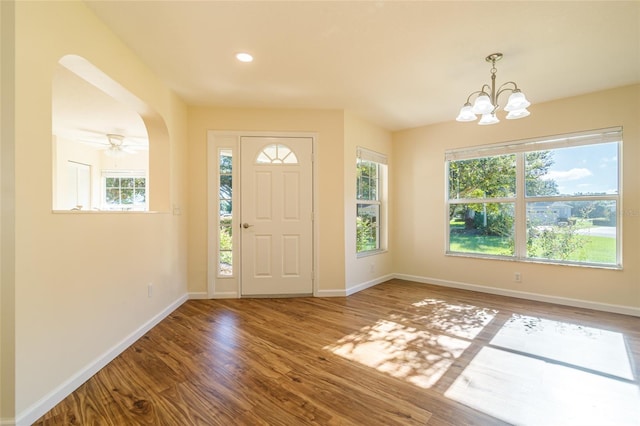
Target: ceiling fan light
[518,113]
[488,119]
[483,104]
[466,113]
[114,152]
[517,101]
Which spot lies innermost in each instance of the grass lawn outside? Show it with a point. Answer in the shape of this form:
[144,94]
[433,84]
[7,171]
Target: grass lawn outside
[484,244]
[595,249]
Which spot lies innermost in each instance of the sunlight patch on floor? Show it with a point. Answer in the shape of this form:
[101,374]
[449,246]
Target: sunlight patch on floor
[586,347]
[460,320]
[402,347]
[401,351]
[525,390]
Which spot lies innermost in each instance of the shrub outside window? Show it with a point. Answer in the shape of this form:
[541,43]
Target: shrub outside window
[550,200]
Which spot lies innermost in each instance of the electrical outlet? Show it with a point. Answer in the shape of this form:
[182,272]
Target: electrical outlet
[517,277]
[150,290]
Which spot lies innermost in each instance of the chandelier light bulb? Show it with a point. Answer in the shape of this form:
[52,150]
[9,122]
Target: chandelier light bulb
[517,101]
[483,105]
[488,119]
[466,113]
[518,113]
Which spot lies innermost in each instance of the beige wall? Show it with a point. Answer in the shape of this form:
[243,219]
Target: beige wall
[420,222]
[362,272]
[329,126]
[7,214]
[81,279]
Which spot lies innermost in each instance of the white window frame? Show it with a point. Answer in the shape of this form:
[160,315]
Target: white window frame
[520,148]
[136,174]
[364,154]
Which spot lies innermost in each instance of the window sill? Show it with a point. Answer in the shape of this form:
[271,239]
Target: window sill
[371,253]
[108,212]
[536,261]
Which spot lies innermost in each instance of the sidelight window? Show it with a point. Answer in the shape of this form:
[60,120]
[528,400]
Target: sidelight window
[225,231]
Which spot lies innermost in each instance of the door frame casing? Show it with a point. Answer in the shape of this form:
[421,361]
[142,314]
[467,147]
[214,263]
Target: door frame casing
[221,287]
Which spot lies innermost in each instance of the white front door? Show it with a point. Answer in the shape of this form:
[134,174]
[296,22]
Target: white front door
[276,217]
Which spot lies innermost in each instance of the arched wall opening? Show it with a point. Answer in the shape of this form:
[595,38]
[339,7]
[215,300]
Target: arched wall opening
[110,148]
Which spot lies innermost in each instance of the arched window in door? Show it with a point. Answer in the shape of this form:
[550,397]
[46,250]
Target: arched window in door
[277,154]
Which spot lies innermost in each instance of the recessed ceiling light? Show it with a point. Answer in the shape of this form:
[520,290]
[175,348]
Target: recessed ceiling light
[244,57]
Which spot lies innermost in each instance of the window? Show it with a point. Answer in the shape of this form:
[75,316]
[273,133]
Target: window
[370,172]
[550,200]
[225,232]
[124,190]
[277,154]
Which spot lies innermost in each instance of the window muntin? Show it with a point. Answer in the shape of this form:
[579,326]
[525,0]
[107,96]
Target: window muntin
[369,172]
[124,190]
[225,220]
[564,211]
[277,154]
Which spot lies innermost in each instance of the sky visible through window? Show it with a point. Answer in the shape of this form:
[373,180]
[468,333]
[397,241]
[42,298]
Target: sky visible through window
[586,169]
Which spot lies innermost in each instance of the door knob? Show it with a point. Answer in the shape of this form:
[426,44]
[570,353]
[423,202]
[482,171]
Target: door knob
[246,225]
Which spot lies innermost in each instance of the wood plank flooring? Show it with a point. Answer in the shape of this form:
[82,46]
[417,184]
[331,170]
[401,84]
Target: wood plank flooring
[400,353]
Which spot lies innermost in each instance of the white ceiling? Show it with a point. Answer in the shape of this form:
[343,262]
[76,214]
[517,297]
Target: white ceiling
[399,64]
[84,113]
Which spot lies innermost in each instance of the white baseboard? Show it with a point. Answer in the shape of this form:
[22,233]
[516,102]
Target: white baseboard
[578,303]
[362,286]
[331,293]
[39,408]
[353,289]
[225,295]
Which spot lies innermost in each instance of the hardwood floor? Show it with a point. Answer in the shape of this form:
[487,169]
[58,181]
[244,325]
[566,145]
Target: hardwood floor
[400,353]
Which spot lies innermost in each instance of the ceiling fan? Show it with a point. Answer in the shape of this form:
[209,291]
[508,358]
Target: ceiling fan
[117,147]
[114,145]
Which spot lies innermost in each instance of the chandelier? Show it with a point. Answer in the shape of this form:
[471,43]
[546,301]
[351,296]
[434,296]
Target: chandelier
[486,103]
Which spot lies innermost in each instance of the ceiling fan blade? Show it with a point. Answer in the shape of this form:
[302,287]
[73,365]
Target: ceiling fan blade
[114,144]
[88,141]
